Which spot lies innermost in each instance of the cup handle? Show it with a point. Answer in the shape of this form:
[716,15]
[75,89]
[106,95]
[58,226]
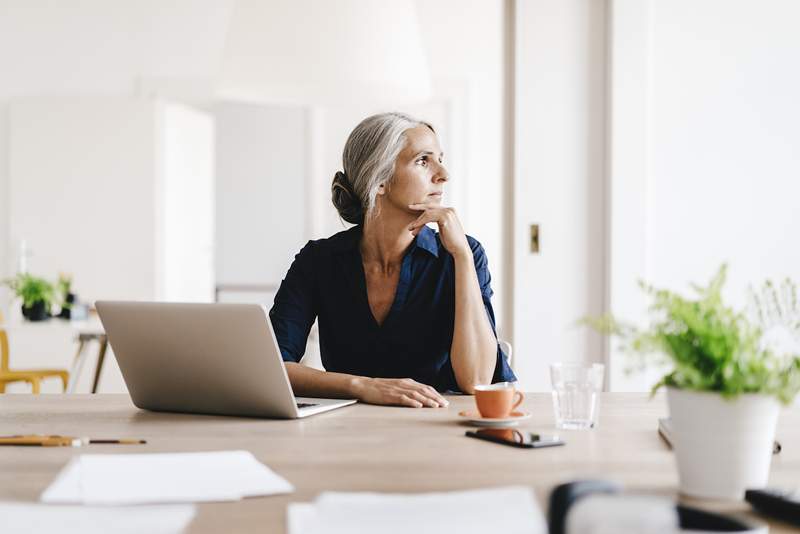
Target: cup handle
[519,400]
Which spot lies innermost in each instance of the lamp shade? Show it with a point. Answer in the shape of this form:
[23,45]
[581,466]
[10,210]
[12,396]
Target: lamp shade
[324,52]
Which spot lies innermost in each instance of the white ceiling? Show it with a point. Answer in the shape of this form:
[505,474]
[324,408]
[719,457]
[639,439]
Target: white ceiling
[331,52]
[110,46]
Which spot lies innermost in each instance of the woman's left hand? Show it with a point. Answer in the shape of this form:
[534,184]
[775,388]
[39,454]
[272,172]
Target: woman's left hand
[450,230]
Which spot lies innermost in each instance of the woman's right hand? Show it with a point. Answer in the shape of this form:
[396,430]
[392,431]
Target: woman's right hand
[398,392]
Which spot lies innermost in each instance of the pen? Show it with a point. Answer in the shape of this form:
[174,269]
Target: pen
[62,441]
[41,441]
[118,441]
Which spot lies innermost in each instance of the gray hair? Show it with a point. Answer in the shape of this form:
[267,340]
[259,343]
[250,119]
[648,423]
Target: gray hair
[369,161]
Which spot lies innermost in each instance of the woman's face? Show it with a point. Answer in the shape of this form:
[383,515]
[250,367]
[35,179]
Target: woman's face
[419,173]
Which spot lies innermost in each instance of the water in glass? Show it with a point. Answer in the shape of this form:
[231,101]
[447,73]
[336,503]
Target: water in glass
[575,394]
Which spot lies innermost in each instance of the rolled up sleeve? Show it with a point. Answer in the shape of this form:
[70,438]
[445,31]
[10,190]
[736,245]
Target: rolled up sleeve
[502,371]
[294,310]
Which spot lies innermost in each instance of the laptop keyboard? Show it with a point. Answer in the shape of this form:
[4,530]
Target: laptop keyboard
[306,404]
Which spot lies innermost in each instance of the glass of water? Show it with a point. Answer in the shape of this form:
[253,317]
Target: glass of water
[576,387]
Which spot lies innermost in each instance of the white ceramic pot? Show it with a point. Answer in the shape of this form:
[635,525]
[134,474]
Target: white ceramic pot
[722,446]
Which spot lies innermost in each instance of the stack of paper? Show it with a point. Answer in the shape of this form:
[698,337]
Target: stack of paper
[161,519]
[111,479]
[510,510]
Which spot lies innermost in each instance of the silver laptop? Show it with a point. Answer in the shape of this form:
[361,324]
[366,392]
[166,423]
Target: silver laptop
[204,358]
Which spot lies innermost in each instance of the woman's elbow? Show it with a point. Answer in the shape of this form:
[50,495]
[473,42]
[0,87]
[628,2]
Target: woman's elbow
[467,389]
[467,384]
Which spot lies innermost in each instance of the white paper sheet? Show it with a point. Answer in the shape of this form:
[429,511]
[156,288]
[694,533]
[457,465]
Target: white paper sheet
[27,518]
[510,510]
[113,479]
[66,488]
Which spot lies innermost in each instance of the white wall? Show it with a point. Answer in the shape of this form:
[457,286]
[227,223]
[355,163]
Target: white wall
[711,139]
[726,141]
[629,146]
[559,183]
[81,192]
[261,201]
[186,192]
[5,251]
[117,191]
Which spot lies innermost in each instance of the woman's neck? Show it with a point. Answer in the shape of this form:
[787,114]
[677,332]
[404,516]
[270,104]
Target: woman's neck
[385,241]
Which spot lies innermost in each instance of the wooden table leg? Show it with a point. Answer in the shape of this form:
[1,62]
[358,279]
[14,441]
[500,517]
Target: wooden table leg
[77,365]
[101,356]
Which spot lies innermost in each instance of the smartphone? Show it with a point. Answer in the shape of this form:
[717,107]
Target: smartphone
[515,438]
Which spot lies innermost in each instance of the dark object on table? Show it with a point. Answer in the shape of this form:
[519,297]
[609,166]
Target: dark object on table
[566,495]
[515,438]
[66,308]
[783,505]
[38,311]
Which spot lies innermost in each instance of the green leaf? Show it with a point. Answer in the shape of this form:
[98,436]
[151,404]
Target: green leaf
[31,289]
[712,347]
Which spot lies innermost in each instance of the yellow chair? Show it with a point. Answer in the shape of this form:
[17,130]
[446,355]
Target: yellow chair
[32,376]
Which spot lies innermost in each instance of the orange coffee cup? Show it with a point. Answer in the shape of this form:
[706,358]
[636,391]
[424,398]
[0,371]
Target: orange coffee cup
[496,401]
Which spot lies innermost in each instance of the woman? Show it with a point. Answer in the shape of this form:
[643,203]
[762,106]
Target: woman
[404,312]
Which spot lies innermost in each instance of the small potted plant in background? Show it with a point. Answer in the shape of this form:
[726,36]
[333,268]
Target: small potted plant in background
[728,373]
[37,295]
[65,295]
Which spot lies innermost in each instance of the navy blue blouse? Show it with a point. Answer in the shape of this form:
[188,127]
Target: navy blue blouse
[327,281]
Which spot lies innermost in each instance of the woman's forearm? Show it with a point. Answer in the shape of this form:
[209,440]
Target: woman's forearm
[474,350]
[309,382]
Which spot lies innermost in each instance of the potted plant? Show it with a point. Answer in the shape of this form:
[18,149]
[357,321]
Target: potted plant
[728,372]
[37,295]
[65,295]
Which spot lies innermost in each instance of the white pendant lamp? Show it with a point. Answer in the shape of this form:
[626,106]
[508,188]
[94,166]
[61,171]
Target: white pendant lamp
[325,52]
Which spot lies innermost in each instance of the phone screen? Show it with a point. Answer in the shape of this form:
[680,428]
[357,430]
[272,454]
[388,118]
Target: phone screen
[515,438]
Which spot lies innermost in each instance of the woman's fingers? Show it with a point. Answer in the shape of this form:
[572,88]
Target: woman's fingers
[417,221]
[432,213]
[430,395]
[424,399]
[408,400]
[421,221]
[436,215]
[403,392]
[428,214]
[424,206]
[453,237]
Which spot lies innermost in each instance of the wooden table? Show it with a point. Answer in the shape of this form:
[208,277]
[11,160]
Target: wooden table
[83,332]
[84,339]
[366,448]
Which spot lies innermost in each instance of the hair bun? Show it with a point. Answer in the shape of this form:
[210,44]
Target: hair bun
[345,199]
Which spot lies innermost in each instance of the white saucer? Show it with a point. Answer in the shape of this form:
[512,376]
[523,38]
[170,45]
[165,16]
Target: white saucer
[476,419]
